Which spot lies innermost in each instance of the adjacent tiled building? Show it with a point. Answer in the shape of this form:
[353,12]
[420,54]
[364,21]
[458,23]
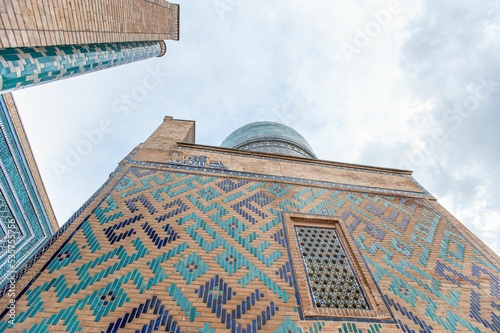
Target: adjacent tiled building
[42,41]
[256,236]
[26,217]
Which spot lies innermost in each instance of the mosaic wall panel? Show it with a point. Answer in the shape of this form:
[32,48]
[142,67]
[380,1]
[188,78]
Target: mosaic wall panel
[181,252]
[27,66]
[21,208]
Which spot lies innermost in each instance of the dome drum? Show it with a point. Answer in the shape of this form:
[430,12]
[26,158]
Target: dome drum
[269,137]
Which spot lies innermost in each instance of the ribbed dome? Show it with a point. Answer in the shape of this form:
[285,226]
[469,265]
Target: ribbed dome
[269,137]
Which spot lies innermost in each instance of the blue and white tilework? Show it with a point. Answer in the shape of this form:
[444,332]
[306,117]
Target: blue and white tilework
[21,209]
[28,66]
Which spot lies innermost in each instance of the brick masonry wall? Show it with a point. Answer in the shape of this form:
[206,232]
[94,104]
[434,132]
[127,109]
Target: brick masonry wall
[31,23]
[190,249]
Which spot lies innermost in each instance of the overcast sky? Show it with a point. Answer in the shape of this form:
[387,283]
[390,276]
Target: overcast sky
[413,85]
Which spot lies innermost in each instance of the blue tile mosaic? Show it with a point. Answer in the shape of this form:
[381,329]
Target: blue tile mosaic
[47,245]
[235,271]
[21,208]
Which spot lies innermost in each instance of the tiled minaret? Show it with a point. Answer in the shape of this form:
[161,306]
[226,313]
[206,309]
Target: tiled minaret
[50,40]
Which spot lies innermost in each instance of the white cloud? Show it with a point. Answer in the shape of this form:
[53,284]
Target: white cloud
[283,61]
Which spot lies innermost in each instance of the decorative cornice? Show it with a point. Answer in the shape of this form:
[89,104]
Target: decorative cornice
[306,161]
[302,160]
[200,168]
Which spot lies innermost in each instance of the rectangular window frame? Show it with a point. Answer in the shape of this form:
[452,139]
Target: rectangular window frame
[377,308]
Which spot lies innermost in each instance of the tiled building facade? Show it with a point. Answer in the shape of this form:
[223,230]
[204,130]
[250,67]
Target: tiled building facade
[191,238]
[26,217]
[41,41]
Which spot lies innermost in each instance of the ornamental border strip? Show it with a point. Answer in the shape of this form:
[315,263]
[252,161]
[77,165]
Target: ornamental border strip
[309,162]
[254,176]
[19,186]
[20,162]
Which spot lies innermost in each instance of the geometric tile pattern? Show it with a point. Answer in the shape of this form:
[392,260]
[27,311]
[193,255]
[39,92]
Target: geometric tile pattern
[47,243]
[22,67]
[24,222]
[332,281]
[199,253]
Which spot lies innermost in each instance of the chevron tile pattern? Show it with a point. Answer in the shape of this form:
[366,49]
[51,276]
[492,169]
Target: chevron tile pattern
[181,252]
